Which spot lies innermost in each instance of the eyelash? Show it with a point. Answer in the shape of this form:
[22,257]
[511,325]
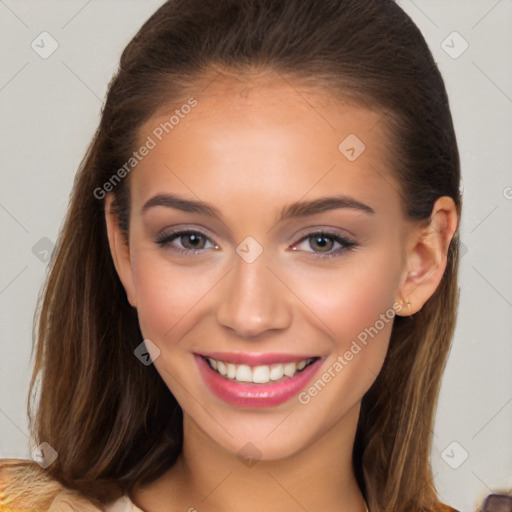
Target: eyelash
[164,240]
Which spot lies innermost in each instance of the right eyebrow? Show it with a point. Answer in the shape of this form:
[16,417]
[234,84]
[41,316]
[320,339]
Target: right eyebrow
[179,203]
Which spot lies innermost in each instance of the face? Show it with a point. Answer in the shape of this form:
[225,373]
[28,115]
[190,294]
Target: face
[294,251]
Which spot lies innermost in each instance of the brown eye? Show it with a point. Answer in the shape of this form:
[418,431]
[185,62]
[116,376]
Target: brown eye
[321,244]
[187,241]
[192,241]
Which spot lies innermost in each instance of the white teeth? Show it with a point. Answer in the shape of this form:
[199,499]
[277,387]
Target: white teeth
[276,372]
[231,370]
[221,368]
[259,374]
[243,373]
[301,365]
[290,369]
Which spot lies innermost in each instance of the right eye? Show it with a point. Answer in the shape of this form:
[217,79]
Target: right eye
[191,241]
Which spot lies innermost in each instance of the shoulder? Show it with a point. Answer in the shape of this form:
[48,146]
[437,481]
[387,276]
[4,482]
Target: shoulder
[70,502]
[25,485]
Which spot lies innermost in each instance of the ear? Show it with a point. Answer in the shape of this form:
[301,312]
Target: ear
[426,256]
[120,251]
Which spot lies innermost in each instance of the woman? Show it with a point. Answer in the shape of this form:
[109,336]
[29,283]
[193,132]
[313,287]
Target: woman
[254,293]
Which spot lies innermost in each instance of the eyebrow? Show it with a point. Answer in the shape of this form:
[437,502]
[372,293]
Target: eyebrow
[294,210]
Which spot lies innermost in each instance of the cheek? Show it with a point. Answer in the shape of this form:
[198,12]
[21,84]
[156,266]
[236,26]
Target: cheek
[167,295]
[353,308]
[353,302]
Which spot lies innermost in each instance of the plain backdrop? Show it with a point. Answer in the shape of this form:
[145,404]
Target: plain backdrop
[50,107]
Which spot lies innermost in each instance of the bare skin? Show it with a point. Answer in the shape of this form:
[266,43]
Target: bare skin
[249,152]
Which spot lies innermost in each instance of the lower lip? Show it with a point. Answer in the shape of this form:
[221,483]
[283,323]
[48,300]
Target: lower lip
[255,395]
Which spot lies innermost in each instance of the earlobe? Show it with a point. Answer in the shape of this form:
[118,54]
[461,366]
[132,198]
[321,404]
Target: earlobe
[427,257]
[120,251]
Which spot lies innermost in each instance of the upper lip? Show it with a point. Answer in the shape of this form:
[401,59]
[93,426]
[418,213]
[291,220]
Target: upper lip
[255,359]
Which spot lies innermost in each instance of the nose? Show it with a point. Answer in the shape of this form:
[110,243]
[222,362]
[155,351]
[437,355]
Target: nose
[253,300]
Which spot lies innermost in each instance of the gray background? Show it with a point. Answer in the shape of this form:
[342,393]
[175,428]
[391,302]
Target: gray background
[50,109]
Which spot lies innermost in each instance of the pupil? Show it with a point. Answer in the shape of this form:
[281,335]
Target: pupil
[322,242]
[193,240]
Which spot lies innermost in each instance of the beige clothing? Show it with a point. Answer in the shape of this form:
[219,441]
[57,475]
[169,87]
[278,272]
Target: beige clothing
[124,504]
[66,503]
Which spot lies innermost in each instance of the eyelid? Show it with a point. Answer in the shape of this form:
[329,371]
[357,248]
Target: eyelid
[326,230]
[184,228]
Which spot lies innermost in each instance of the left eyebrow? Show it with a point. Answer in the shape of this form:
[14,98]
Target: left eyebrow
[323,204]
[297,209]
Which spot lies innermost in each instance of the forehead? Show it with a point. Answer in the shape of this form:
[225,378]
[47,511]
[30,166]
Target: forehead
[269,135]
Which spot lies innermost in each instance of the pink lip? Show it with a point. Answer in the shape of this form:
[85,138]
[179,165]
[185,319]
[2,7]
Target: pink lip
[256,359]
[255,395]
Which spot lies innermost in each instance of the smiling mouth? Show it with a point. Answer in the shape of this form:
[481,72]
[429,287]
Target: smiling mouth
[261,374]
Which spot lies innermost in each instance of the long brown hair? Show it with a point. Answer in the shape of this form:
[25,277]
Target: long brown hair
[112,420]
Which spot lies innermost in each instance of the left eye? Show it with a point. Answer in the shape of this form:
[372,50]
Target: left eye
[322,244]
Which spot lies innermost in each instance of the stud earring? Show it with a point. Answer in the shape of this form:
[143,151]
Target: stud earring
[407,303]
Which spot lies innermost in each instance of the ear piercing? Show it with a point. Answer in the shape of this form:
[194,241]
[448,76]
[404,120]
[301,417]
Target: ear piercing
[403,303]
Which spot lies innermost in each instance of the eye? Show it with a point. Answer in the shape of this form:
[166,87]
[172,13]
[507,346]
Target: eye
[322,244]
[191,241]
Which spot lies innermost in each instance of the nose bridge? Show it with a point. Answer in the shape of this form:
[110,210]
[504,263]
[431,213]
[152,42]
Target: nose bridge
[253,300]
